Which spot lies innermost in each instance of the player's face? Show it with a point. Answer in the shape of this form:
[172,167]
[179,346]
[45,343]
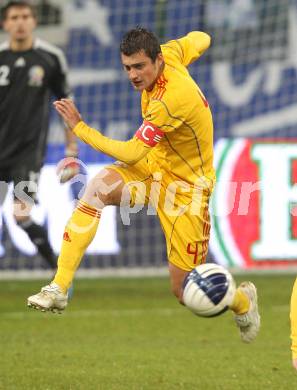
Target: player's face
[19,23]
[141,70]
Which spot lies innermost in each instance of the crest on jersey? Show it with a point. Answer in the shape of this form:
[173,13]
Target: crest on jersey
[254,205]
[36,76]
[20,62]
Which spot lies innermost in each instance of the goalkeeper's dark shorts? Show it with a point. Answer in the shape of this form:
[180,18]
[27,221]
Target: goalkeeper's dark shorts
[25,179]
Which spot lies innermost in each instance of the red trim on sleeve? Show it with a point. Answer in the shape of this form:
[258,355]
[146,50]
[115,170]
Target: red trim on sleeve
[150,134]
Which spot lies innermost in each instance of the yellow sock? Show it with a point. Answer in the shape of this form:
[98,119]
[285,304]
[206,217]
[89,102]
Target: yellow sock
[78,234]
[241,302]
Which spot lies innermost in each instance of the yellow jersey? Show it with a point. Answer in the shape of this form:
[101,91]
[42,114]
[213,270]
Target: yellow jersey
[178,108]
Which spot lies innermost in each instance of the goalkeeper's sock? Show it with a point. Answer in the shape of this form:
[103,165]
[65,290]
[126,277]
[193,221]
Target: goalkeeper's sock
[38,235]
[78,234]
[241,302]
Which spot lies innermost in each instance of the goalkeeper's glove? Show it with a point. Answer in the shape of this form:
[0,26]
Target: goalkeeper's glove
[69,166]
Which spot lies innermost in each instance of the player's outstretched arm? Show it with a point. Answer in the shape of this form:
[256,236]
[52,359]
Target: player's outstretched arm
[127,151]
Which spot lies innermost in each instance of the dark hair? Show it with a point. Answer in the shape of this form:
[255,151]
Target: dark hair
[21,4]
[139,39]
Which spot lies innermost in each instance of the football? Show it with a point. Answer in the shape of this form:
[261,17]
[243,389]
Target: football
[209,289]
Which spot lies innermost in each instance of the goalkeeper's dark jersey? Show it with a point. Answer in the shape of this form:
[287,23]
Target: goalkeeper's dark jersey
[27,81]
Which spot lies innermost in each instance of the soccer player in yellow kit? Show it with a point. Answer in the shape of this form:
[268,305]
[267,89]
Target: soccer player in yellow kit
[293,316]
[168,162]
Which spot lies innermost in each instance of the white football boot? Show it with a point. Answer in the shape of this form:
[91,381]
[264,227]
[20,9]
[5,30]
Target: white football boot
[50,298]
[249,323]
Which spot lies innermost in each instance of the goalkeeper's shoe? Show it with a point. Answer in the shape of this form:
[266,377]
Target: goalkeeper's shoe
[50,298]
[249,323]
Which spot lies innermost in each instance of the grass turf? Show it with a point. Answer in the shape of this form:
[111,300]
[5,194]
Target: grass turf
[131,334]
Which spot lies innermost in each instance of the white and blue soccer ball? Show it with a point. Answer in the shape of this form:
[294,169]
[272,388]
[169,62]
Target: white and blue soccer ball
[209,290]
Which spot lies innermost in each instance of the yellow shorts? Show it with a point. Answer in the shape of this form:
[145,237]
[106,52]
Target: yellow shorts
[182,210]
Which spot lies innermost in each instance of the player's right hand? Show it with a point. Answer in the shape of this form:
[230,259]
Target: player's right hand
[294,362]
[68,111]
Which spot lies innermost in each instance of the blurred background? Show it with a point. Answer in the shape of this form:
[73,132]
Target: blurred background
[249,76]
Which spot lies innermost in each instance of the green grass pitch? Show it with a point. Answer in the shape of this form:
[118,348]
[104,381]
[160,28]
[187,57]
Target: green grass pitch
[131,334]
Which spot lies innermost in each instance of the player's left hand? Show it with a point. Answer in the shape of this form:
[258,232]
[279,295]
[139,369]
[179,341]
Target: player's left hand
[294,362]
[68,111]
